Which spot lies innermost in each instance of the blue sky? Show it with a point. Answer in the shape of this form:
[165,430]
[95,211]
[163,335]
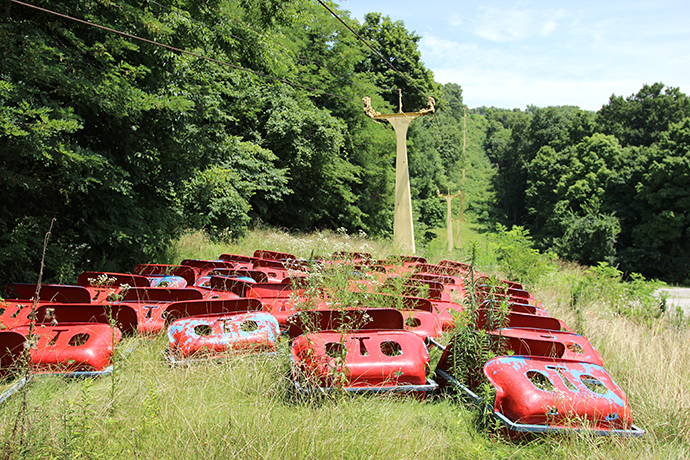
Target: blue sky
[515,53]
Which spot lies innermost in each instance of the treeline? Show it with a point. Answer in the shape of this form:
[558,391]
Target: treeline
[611,186]
[126,142]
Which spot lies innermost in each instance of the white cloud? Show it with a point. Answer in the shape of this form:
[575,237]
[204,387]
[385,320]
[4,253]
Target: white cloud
[444,50]
[510,89]
[552,22]
[455,20]
[548,27]
[502,25]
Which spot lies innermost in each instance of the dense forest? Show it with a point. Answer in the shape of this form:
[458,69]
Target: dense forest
[128,122]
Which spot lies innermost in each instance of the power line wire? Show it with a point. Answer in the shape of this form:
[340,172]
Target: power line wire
[288,52]
[179,50]
[370,47]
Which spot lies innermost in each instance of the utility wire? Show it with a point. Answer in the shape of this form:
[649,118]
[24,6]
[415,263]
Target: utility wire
[370,47]
[172,48]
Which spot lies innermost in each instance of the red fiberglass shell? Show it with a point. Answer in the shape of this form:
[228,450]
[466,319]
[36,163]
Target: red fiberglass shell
[204,267]
[179,310]
[90,279]
[446,312]
[419,315]
[557,393]
[273,255]
[456,265]
[122,316]
[161,294]
[360,359]
[522,320]
[516,307]
[218,335]
[553,344]
[243,262]
[488,289]
[15,313]
[453,285]
[256,275]
[153,271]
[423,323]
[278,299]
[72,347]
[345,319]
[153,316]
[49,293]
[351,256]
[442,270]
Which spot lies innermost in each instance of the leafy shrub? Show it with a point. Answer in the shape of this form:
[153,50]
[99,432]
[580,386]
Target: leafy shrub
[635,298]
[517,257]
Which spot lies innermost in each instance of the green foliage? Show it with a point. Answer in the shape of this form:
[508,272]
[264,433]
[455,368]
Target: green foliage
[517,257]
[212,202]
[659,240]
[610,187]
[636,299]
[640,119]
[127,143]
[398,46]
[588,239]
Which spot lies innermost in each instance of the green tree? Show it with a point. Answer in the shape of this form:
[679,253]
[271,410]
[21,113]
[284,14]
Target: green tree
[660,246]
[399,48]
[640,119]
[106,133]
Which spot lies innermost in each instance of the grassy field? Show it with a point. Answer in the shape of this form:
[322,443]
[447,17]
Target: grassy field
[243,407]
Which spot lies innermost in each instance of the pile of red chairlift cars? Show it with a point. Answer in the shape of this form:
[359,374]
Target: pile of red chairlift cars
[377,338]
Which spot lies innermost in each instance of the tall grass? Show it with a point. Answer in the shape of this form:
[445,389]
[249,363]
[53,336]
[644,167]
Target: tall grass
[243,407]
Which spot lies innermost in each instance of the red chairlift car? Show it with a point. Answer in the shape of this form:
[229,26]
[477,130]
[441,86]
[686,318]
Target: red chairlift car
[521,320]
[552,344]
[357,350]
[218,335]
[72,348]
[106,286]
[453,285]
[536,394]
[278,299]
[273,255]
[445,309]
[15,310]
[517,307]
[542,393]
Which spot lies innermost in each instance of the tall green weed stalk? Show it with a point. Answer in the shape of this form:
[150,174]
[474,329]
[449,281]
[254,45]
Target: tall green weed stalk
[21,432]
[472,343]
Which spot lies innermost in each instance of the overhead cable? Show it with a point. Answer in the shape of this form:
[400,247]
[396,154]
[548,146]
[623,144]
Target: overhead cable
[179,50]
[370,47]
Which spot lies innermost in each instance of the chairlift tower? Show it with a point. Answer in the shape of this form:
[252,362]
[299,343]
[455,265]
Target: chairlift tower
[449,220]
[403,227]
